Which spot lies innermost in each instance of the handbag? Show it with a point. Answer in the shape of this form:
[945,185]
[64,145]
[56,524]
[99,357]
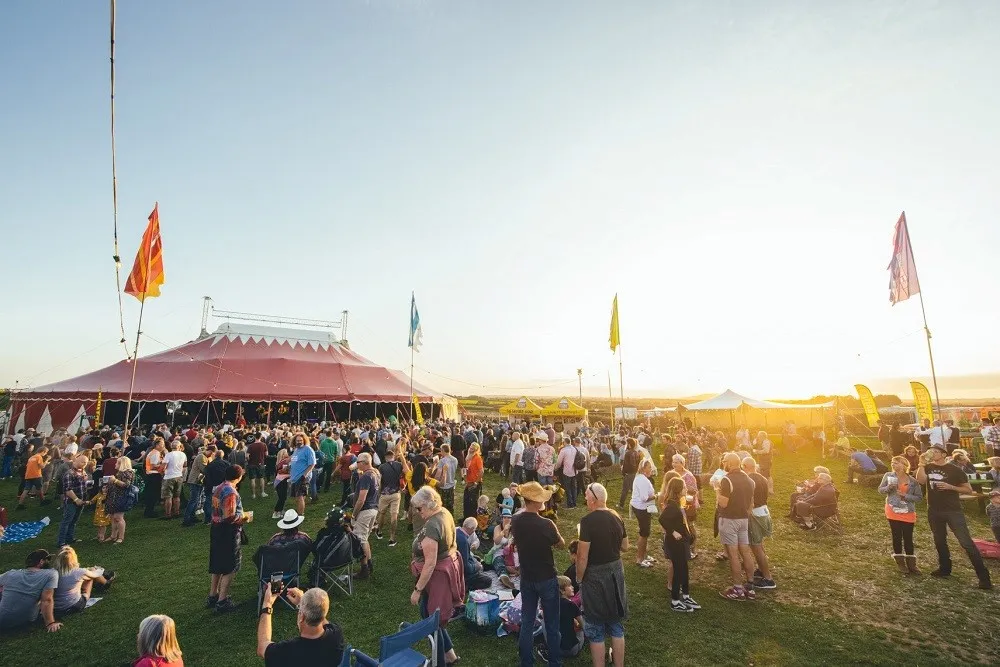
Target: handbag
[244,538]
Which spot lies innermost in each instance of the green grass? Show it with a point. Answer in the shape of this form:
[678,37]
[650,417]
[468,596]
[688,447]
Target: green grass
[839,601]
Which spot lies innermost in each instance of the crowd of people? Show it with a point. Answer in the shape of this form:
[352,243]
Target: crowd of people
[393,472]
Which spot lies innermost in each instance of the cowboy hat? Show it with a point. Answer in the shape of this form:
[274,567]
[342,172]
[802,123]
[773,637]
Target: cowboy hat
[534,492]
[290,520]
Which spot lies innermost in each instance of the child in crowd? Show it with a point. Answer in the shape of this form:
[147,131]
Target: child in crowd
[483,520]
[508,500]
[993,512]
[570,572]
[570,623]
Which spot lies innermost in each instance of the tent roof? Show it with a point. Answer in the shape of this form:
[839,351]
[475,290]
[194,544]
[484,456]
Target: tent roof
[730,400]
[564,408]
[245,363]
[522,406]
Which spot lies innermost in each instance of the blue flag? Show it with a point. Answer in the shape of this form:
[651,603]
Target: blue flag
[416,333]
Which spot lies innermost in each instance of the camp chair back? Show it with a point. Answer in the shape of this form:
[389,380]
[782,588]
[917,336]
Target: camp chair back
[828,517]
[397,650]
[273,559]
[334,560]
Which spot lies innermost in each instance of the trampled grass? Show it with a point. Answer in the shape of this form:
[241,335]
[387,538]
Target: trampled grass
[840,600]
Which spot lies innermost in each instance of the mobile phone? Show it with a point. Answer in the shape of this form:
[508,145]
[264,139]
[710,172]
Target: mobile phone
[276,579]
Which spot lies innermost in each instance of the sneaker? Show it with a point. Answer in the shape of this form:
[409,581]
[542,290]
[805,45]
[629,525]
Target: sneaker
[542,651]
[392,543]
[378,534]
[678,605]
[748,594]
[225,605]
[505,580]
[761,582]
[645,564]
[263,495]
[985,584]
[758,574]
[276,515]
[212,601]
[200,510]
[689,601]
[940,573]
[734,593]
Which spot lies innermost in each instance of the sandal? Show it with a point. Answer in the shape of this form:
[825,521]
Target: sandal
[721,556]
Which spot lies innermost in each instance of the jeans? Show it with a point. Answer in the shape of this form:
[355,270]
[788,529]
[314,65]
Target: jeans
[8,459]
[154,483]
[67,527]
[627,479]
[533,592]
[518,475]
[545,480]
[678,551]
[345,491]
[902,537]
[195,492]
[313,487]
[569,486]
[940,522]
[327,475]
[206,504]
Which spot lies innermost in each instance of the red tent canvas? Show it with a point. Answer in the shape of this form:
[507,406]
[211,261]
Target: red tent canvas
[240,363]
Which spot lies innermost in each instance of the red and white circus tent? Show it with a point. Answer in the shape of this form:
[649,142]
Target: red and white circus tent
[235,363]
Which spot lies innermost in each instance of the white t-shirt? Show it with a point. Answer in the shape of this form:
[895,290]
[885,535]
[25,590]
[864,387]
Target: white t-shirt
[175,464]
[516,450]
[642,488]
[71,449]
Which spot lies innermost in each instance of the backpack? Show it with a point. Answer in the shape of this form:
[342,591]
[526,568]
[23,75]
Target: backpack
[631,461]
[580,460]
[528,458]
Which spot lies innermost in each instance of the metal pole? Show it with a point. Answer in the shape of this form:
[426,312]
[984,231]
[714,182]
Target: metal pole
[621,381]
[927,331]
[611,402]
[135,358]
[411,384]
[579,375]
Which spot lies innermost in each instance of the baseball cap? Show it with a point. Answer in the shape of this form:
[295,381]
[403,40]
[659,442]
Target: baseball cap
[505,512]
[37,556]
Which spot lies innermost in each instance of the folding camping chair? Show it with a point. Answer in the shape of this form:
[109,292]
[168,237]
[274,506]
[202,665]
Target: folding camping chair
[397,650]
[272,560]
[334,563]
[831,523]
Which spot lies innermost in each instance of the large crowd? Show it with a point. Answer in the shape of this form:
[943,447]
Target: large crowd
[392,472]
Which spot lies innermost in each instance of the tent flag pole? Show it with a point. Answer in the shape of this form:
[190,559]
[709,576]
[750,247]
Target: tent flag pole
[411,384]
[611,402]
[621,382]
[135,360]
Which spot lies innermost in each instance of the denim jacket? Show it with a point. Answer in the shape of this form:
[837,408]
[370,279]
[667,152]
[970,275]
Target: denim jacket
[907,501]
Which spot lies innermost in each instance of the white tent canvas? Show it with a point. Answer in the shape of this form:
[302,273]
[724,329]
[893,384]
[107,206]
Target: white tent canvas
[730,400]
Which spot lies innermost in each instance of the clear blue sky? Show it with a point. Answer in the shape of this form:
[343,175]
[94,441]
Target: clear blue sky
[732,170]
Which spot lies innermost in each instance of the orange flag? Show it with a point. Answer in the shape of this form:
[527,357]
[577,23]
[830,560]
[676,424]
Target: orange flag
[147,272]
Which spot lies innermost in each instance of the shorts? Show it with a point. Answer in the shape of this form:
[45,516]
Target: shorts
[759,528]
[390,502]
[364,523]
[299,488]
[596,632]
[171,488]
[256,472]
[734,532]
[35,483]
[645,520]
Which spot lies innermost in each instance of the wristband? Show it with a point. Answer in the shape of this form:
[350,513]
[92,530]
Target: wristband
[419,590]
[266,610]
[49,625]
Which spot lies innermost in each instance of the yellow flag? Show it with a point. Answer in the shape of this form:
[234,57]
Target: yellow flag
[868,403]
[97,410]
[922,399]
[615,338]
[416,410]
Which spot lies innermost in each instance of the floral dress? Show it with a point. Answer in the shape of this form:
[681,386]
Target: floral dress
[115,500]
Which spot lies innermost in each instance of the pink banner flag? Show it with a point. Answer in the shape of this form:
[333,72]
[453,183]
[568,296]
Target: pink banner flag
[903,281]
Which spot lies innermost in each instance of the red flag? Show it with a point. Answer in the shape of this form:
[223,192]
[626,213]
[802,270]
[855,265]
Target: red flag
[903,281]
[147,272]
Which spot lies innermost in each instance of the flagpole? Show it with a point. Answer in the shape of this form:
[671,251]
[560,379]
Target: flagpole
[138,328]
[411,382]
[927,332]
[621,382]
[611,401]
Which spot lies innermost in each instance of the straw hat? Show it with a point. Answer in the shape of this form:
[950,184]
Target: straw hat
[534,492]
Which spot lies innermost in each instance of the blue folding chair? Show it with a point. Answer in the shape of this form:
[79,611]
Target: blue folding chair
[397,650]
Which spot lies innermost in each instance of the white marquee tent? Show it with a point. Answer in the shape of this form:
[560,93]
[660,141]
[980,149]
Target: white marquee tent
[730,400]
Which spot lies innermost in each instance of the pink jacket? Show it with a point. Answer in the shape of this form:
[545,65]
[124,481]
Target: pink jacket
[446,588]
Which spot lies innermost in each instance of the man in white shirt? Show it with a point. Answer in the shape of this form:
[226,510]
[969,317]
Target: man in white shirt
[71,447]
[516,461]
[173,475]
[936,433]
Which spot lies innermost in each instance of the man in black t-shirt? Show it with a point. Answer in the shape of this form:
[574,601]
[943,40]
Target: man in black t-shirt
[534,537]
[945,481]
[319,642]
[735,499]
[391,473]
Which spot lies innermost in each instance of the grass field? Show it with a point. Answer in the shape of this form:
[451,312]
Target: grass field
[839,599]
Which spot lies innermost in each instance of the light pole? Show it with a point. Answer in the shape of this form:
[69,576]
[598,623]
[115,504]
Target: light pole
[579,375]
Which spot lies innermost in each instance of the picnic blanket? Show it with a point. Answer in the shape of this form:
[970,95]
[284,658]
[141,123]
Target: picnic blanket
[24,530]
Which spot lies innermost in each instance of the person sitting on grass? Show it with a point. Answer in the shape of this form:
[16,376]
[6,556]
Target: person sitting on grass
[842,446]
[864,463]
[319,641]
[75,582]
[483,519]
[157,643]
[475,579]
[571,637]
[820,504]
[26,594]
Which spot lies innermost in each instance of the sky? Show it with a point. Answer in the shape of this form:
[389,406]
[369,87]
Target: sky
[733,171]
